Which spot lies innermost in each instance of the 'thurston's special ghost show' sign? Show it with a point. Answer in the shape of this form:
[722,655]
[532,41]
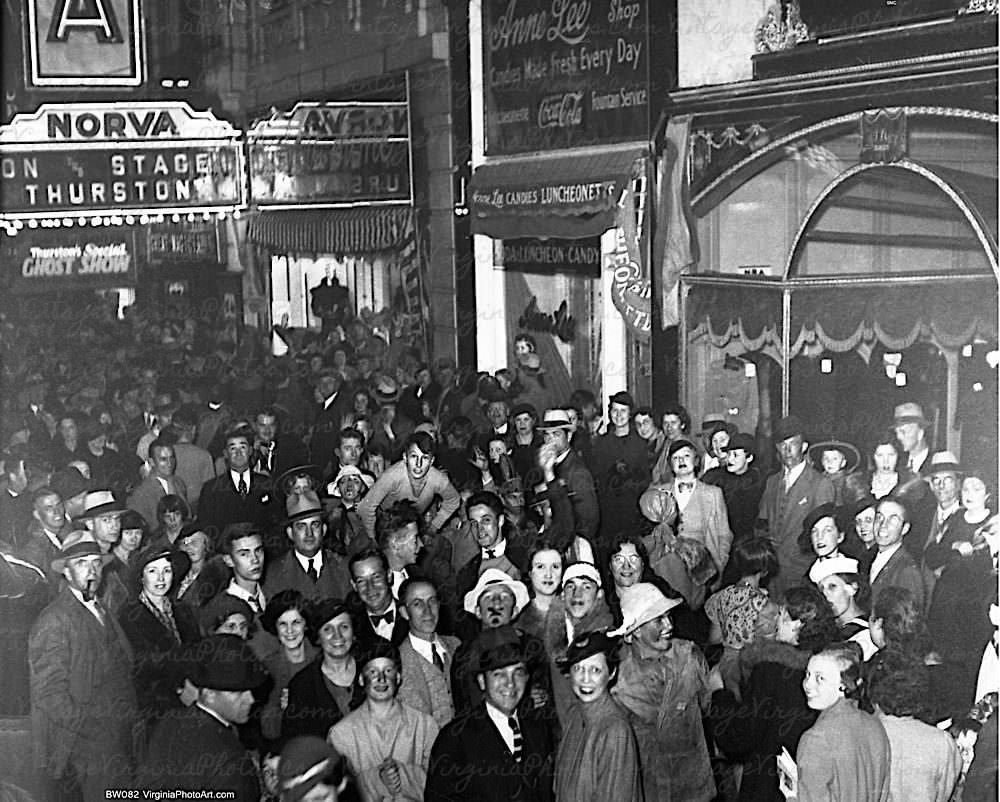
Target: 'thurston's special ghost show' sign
[328,154]
[564,73]
[116,157]
[72,260]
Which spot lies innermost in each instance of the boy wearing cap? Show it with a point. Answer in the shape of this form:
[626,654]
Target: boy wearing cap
[309,766]
[83,705]
[492,753]
[198,748]
[663,684]
[347,532]
[387,744]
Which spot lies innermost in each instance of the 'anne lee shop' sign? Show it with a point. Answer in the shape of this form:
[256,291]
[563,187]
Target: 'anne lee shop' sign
[564,73]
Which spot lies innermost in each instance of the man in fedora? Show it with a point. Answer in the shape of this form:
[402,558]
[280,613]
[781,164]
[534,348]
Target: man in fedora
[316,572]
[563,470]
[492,753]
[198,748]
[83,704]
[102,516]
[789,496]
[910,427]
[944,475]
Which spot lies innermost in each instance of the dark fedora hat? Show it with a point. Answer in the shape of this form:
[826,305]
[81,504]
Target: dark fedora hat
[225,663]
[789,426]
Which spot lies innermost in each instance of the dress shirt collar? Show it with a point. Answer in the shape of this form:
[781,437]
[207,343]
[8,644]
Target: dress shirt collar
[257,601]
[881,558]
[304,561]
[214,715]
[792,474]
[91,605]
[500,721]
[165,484]
[945,513]
[234,476]
[424,647]
[330,400]
[499,549]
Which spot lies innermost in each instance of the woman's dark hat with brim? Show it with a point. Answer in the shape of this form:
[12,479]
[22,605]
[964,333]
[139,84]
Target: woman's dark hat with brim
[587,645]
[851,454]
[314,472]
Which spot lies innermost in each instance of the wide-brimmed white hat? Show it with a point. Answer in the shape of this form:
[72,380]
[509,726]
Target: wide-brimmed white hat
[348,470]
[642,603]
[494,576]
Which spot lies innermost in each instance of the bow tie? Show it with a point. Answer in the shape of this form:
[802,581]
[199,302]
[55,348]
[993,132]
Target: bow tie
[388,617]
[685,487]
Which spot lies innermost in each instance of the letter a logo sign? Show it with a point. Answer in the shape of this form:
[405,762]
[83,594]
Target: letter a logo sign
[84,43]
[97,16]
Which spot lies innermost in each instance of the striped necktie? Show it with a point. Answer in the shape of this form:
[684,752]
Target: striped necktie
[516,729]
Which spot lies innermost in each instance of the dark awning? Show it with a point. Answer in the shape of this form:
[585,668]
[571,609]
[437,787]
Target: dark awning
[568,196]
[368,229]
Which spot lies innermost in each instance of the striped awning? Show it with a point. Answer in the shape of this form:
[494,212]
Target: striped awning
[552,195]
[368,229]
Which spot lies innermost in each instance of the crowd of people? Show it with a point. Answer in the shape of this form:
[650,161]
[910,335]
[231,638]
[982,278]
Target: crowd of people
[346,574]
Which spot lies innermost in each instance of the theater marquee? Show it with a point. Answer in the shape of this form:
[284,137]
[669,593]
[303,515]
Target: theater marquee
[112,158]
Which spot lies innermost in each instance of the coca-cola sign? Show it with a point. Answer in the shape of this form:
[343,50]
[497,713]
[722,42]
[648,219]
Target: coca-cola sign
[568,73]
[561,111]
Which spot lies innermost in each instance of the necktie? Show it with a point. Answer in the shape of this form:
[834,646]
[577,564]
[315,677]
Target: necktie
[95,607]
[254,605]
[491,554]
[387,617]
[516,729]
[436,658]
[685,487]
[311,570]
[241,488]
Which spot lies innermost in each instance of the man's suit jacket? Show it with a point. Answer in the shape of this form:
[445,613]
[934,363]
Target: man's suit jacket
[785,513]
[40,551]
[426,687]
[580,486]
[326,431]
[15,513]
[193,751]
[289,452]
[704,519]
[468,574]
[470,761]
[365,633]
[83,705]
[146,496]
[221,504]
[286,573]
[195,467]
[901,571]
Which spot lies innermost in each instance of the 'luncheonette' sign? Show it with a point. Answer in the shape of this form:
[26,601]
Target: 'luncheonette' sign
[113,158]
[74,260]
[564,73]
[630,290]
[84,43]
[327,154]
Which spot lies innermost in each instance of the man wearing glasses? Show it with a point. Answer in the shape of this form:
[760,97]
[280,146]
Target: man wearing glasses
[893,564]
